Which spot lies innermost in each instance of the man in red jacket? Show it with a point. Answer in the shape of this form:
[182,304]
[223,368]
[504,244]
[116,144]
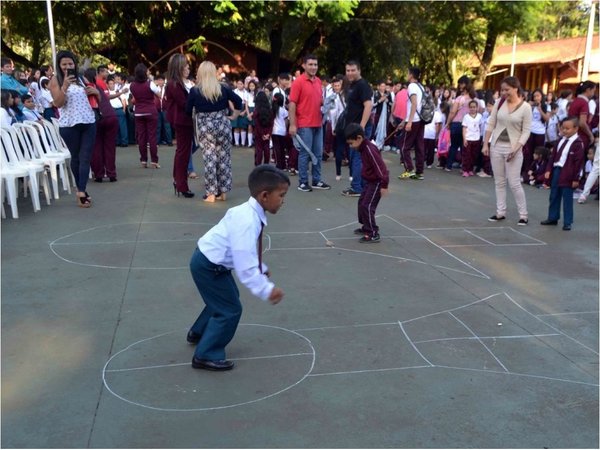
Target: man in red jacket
[563,171]
[375,178]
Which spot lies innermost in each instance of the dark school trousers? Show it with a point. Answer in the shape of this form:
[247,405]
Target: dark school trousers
[219,319]
[105,152]
[429,151]
[279,147]
[535,140]
[145,133]
[181,159]
[367,206]
[456,143]
[471,152]
[558,194]
[262,154]
[414,139]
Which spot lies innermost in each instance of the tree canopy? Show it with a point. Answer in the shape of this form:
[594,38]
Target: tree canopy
[386,36]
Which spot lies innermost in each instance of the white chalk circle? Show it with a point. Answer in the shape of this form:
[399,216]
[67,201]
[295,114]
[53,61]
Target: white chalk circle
[156,372]
[147,245]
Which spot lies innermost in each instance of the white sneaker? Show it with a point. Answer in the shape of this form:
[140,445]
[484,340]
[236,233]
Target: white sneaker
[581,200]
[482,174]
[338,177]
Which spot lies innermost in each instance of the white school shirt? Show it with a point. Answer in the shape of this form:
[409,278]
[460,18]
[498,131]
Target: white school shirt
[250,99]
[233,243]
[46,99]
[472,124]
[115,102]
[414,89]
[565,151]
[484,120]
[430,127]
[552,130]
[278,90]
[537,125]
[5,118]
[279,128]
[31,114]
[562,108]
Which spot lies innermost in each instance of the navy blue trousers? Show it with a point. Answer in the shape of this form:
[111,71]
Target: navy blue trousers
[219,319]
[558,194]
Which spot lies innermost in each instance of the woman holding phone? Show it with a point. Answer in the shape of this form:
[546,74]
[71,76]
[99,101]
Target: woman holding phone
[509,126]
[77,120]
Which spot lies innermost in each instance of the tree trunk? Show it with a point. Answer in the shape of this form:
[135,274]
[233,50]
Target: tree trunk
[488,55]
[10,53]
[311,43]
[276,40]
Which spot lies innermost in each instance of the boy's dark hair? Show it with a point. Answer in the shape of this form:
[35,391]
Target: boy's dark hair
[353,131]
[542,151]
[25,97]
[266,178]
[415,72]
[160,76]
[44,83]
[573,119]
[353,62]
[4,61]
[475,102]
[101,67]
[284,76]
[309,56]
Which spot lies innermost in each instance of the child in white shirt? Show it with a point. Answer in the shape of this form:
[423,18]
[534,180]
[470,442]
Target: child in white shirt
[430,137]
[471,138]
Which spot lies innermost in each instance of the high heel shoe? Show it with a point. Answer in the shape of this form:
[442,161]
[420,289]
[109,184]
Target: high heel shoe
[84,201]
[187,194]
[209,198]
[221,196]
[144,164]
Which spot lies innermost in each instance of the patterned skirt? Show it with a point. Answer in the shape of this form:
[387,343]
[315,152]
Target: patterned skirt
[213,136]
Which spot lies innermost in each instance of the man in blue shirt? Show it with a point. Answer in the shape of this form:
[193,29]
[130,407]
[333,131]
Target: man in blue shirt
[7,81]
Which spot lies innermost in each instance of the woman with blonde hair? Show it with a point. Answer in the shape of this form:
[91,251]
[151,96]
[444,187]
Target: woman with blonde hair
[209,102]
[176,93]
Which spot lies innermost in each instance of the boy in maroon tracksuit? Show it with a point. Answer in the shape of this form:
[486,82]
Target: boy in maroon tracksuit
[375,182]
[562,172]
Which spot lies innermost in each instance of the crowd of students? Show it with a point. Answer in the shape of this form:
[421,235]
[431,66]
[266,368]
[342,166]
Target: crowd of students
[389,112]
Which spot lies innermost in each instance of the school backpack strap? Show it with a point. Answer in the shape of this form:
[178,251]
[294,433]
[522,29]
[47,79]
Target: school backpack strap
[427,106]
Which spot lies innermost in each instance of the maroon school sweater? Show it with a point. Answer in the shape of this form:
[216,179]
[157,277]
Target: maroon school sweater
[144,97]
[573,165]
[373,167]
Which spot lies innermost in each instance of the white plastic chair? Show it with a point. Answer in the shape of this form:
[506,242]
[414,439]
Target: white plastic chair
[29,157]
[53,132]
[11,171]
[50,155]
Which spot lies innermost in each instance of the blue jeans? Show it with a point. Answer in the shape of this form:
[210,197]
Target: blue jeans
[219,319]
[122,137]
[191,164]
[80,141]
[456,142]
[557,194]
[313,138]
[356,164]
[163,124]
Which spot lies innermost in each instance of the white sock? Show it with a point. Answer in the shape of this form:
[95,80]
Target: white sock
[236,136]
[250,138]
[243,138]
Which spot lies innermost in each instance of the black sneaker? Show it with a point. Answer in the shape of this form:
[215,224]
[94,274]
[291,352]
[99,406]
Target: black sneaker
[321,185]
[523,222]
[350,193]
[366,239]
[359,231]
[193,338]
[495,218]
[304,187]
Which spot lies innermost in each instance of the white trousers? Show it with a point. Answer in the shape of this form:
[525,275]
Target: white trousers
[507,172]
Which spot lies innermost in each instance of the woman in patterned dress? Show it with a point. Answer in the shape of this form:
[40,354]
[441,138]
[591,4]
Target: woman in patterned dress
[209,102]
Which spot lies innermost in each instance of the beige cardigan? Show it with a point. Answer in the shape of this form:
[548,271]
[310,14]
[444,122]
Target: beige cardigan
[517,123]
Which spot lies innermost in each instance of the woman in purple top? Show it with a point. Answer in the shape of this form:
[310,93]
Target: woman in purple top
[146,115]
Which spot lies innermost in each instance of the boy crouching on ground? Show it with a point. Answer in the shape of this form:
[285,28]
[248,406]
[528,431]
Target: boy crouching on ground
[375,182]
[235,243]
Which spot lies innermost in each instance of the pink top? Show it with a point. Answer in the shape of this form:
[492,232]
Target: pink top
[400,106]
[463,107]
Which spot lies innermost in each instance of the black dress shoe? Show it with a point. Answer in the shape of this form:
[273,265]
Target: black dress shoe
[193,338]
[567,227]
[113,179]
[549,222]
[218,365]
[98,179]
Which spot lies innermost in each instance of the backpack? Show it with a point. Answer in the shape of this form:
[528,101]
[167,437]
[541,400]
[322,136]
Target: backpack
[427,106]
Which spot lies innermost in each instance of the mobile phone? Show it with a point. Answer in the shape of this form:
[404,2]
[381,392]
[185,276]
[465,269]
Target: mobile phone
[71,73]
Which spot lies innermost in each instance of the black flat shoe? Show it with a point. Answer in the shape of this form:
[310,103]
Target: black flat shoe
[549,222]
[567,227]
[218,365]
[112,179]
[496,218]
[193,338]
[98,179]
[188,194]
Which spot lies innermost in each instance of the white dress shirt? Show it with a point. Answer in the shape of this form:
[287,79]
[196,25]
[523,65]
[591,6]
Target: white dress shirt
[562,158]
[233,243]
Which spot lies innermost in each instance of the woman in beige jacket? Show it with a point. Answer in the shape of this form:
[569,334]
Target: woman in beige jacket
[509,128]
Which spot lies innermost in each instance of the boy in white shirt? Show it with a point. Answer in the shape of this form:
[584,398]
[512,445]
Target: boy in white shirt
[431,135]
[471,138]
[235,243]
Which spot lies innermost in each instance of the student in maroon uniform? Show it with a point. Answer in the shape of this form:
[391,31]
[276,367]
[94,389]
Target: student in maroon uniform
[375,178]
[263,127]
[564,166]
[146,115]
[580,108]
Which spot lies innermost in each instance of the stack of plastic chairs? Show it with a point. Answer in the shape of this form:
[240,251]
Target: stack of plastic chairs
[52,150]
[13,169]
